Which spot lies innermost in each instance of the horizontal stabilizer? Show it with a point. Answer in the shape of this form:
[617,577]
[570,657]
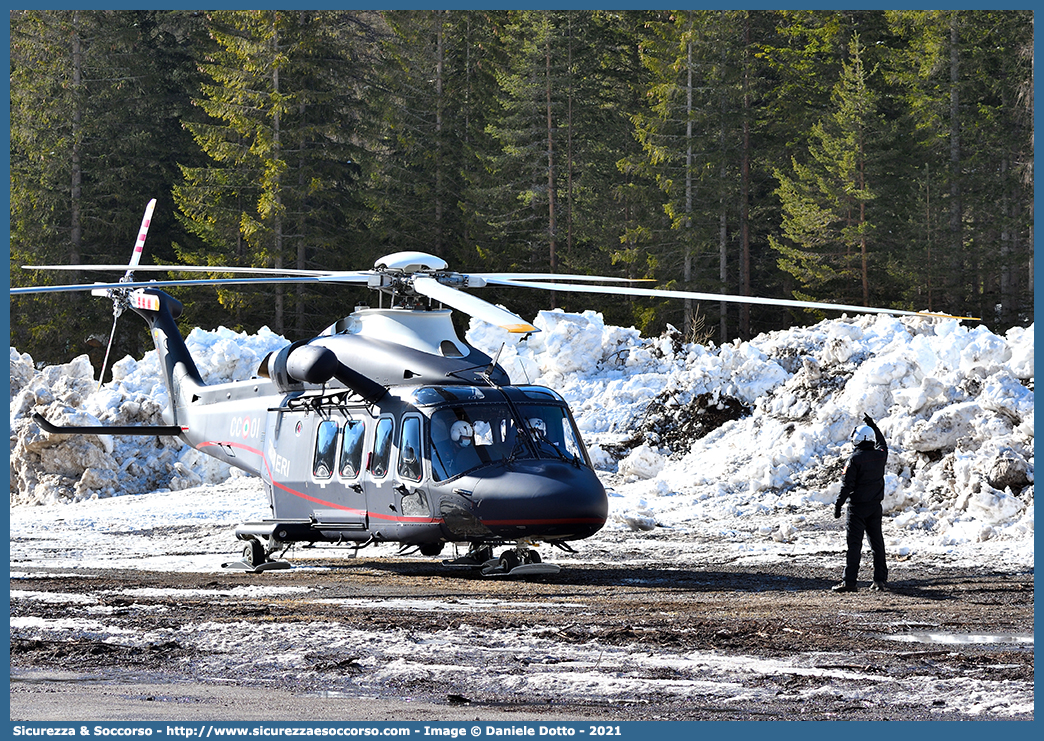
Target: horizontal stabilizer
[53,429]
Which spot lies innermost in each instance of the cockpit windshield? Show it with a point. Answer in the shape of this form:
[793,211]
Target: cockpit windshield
[551,429]
[466,436]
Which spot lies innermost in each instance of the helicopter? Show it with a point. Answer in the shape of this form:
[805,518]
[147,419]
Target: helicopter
[386,427]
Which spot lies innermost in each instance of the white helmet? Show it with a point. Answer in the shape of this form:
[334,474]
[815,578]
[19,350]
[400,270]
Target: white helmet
[462,433]
[538,426]
[863,434]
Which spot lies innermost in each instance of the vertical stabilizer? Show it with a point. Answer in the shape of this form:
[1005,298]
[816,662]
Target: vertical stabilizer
[182,377]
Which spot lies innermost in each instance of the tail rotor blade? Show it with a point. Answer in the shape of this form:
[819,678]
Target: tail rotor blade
[108,349]
[119,296]
[143,230]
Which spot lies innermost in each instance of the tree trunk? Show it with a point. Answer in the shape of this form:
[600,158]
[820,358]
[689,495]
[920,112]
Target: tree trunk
[1006,298]
[744,322]
[440,53]
[723,232]
[956,238]
[569,148]
[301,258]
[76,193]
[687,272]
[277,224]
[864,270]
[552,226]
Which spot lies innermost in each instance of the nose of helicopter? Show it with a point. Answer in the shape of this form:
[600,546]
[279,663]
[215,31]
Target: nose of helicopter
[552,500]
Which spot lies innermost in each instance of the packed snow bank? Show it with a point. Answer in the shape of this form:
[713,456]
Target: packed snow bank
[49,468]
[693,432]
[679,432]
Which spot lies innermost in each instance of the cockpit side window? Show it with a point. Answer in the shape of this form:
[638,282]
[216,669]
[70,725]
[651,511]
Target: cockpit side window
[325,450]
[382,445]
[410,450]
[352,448]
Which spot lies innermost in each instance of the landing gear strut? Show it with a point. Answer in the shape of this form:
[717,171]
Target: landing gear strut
[519,561]
[256,557]
[480,554]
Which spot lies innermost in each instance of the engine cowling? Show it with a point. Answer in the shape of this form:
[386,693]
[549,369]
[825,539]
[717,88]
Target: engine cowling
[313,364]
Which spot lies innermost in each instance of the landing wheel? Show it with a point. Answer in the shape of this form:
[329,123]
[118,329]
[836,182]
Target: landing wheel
[520,561]
[509,560]
[254,552]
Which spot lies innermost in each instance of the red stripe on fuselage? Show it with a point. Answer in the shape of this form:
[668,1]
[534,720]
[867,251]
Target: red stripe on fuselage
[316,500]
[396,518]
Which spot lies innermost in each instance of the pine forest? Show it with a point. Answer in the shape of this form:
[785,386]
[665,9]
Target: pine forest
[874,158]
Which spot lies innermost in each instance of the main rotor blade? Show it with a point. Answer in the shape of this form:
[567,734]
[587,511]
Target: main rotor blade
[188,269]
[358,276]
[472,305]
[164,284]
[495,277]
[661,293]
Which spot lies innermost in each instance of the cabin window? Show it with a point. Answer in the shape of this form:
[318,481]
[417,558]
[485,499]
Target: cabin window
[352,448]
[382,445]
[410,450]
[325,450]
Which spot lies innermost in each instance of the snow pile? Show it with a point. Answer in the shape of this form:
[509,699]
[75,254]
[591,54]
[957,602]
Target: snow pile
[48,468]
[681,433]
[697,433]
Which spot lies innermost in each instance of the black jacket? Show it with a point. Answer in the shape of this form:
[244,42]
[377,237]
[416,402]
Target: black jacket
[864,475]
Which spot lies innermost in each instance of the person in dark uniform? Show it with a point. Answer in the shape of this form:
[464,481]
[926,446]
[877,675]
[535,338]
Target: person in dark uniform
[863,489]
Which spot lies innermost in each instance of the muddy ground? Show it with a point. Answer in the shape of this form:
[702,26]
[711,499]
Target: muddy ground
[134,656]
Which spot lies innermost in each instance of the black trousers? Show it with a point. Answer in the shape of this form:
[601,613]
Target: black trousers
[865,518]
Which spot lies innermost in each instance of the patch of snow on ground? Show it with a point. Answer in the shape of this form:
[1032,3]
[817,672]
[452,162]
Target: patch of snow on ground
[524,662]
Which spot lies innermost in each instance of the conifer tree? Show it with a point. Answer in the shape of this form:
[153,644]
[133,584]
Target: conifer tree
[959,74]
[429,107]
[695,136]
[279,188]
[95,105]
[616,209]
[529,163]
[827,228]
[554,196]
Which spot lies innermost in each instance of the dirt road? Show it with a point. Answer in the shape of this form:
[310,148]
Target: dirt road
[410,639]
